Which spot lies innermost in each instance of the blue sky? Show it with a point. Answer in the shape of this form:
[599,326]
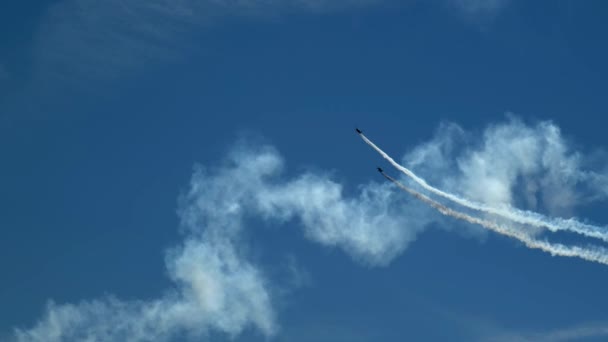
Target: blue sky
[189,171]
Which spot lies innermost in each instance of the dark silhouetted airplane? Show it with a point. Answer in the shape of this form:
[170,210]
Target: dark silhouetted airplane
[380,170]
[358,131]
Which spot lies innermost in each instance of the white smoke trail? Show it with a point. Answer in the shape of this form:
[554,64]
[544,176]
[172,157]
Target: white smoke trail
[596,254]
[513,214]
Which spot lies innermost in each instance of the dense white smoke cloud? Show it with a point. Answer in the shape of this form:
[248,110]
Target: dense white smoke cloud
[219,287]
[511,163]
[216,290]
[510,154]
[510,151]
[591,253]
[374,227]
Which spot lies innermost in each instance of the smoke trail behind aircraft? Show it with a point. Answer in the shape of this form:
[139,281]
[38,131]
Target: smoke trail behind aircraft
[596,254]
[510,213]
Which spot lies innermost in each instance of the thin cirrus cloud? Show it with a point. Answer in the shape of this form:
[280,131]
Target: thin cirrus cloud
[481,329]
[87,40]
[220,288]
[84,40]
[581,332]
[479,7]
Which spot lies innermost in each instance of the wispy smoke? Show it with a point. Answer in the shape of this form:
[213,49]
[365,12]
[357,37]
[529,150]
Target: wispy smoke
[511,149]
[505,210]
[216,289]
[596,254]
[218,285]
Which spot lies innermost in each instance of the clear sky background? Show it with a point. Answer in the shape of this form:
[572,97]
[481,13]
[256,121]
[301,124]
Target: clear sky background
[108,108]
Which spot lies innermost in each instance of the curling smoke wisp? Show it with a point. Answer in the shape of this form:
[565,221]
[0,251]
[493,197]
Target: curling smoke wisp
[510,213]
[596,254]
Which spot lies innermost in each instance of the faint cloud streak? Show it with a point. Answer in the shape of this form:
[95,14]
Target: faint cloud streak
[85,40]
[576,333]
[480,6]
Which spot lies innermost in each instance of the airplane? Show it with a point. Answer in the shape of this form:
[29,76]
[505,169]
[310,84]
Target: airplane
[380,170]
[358,131]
